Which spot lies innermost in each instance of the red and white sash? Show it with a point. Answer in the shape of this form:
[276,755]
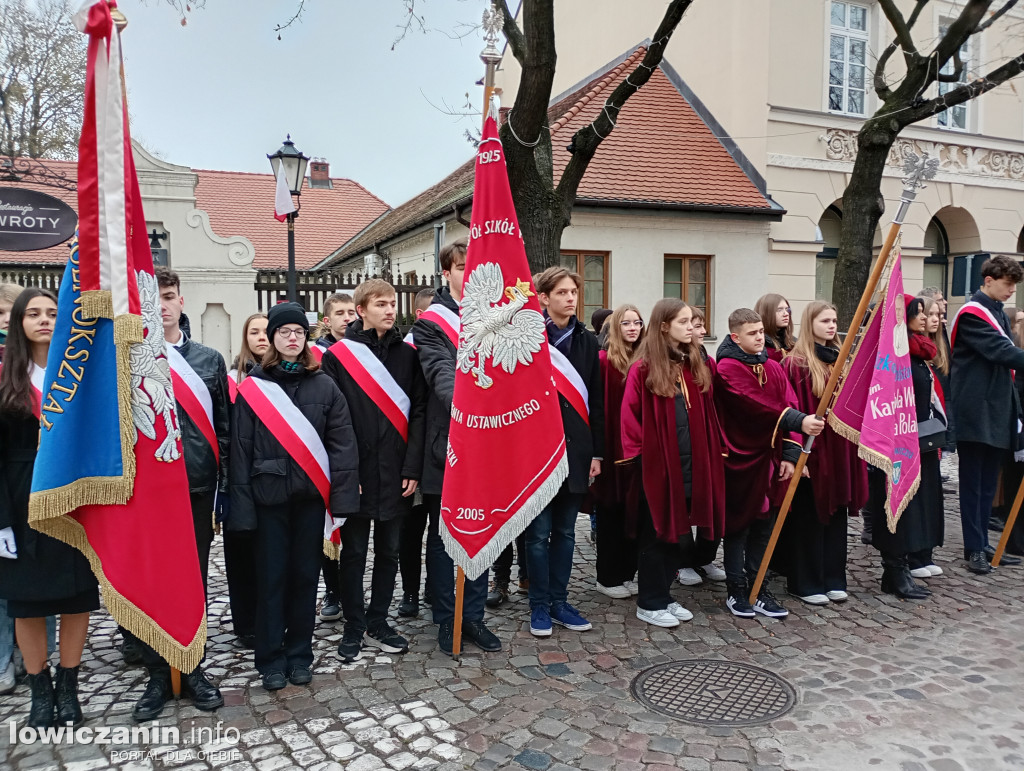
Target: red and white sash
[376,382]
[37,375]
[445,318]
[233,385]
[408,339]
[569,383]
[192,394]
[317,351]
[978,310]
[296,434]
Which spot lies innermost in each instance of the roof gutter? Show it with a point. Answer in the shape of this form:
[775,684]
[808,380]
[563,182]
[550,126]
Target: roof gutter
[775,212]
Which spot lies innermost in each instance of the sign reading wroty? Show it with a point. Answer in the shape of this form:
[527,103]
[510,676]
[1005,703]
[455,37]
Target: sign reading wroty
[30,220]
[506,452]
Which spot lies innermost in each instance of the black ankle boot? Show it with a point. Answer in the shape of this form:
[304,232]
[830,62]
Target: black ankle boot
[205,695]
[41,713]
[410,605]
[66,697]
[158,692]
[896,579]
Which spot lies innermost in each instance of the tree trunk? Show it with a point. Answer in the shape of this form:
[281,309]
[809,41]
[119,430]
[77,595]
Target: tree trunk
[863,206]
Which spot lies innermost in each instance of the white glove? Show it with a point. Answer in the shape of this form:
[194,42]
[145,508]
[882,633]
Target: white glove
[8,549]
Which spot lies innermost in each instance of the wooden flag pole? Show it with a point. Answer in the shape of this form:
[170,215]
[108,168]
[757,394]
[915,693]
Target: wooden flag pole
[1010,520]
[918,170]
[460,589]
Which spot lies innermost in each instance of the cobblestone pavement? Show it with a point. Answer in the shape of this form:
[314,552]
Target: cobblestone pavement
[881,683]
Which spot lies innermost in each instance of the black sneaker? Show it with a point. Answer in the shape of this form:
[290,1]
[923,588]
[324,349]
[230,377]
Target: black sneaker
[767,605]
[739,606]
[331,609]
[351,646]
[300,675]
[498,595]
[446,637]
[482,637]
[410,605]
[386,639]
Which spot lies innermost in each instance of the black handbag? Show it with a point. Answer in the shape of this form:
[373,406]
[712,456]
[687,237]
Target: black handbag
[931,433]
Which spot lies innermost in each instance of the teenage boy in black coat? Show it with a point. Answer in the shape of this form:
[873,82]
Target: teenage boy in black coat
[437,358]
[390,464]
[985,407]
[551,536]
[207,482]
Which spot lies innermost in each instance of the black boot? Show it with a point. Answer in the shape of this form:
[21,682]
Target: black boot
[66,695]
[41,713]
[204,694]
[498,595]
[410,605]
[866,525]
[896,579]
[157,694]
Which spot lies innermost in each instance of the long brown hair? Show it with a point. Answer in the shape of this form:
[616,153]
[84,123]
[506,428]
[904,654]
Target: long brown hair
[15,382]
[765,308]
[941,360]
[803,352]
[621,353]
[245,354]
[273,357]
[662,356]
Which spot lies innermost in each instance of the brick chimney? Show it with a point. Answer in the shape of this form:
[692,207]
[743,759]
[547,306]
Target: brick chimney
[320,173]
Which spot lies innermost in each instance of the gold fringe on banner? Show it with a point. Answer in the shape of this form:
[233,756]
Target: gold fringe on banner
[331,550]
[97,304]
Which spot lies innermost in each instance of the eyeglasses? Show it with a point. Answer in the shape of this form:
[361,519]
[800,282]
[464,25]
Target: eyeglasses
[787,310]
[637,323]
[289,333]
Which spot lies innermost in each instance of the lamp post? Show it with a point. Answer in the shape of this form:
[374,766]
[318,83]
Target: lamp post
[294,163]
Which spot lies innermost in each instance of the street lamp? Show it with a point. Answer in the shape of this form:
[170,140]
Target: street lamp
[294,163]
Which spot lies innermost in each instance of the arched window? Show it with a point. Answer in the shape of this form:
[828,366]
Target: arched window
[936,264]
[829,227]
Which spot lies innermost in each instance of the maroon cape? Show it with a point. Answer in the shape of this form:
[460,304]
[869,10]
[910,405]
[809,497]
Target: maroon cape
[750,414]
[649,431]
[610,484]
[838,477]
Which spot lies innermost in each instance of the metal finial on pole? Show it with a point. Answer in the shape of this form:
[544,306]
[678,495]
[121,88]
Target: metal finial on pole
[493,21]
[916,170]
[119,19]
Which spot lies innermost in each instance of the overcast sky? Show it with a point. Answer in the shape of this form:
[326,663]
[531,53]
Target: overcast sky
[222,92]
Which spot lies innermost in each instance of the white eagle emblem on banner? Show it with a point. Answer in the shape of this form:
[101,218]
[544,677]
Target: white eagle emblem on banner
[508,334]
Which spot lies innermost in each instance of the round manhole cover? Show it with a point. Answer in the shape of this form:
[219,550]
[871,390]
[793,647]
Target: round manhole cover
[714,693]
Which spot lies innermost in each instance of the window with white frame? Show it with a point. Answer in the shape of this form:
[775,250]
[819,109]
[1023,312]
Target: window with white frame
[955,117]
[847,58]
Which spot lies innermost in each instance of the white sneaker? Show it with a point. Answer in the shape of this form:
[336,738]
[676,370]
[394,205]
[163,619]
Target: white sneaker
[713,572]
[632,587]
[921,573]
[679,611]
[815,599]
[689,577]
[934,570]
[619,592]
[837,595]
[660,618]
[7,680]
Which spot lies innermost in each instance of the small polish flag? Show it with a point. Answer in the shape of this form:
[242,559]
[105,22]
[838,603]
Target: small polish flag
[283,204]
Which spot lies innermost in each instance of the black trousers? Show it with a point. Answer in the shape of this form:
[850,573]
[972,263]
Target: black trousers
[332,574]
[699,552]
[816,551]
[979,478]
[744,550]
[658,562]
[616,552]
[441,570]
[289,543]
[503,565]
[355,544]
[410,549]
[242,571]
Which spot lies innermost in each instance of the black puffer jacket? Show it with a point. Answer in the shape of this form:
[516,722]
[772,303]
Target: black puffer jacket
[263,474]
[437,360]
[204,474]
[385,459]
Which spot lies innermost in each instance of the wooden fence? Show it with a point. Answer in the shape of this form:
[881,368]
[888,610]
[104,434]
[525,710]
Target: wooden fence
[313,288]
[43,278]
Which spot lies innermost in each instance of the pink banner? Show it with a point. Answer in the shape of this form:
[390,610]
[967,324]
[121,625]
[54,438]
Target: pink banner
[874,406]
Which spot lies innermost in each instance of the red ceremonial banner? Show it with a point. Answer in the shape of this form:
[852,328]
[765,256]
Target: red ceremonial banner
[506,446]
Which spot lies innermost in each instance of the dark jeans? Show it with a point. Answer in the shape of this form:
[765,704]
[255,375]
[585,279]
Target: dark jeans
[289,544]
[503,565]
[202,522]
[979,476]
[550,542]
[658,562]
[242,571]
[817,552]
[331,573]
[441,570]
[355,543]
[410,549]
[616,552]
[744,550]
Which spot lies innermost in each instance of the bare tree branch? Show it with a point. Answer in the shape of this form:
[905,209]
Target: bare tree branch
[882,88]
[413,20]
[586,141]
[967,91]
[530,110]
[995,16]
[513,34]
[900,26]
[296,17]
[958,70]
[956,35]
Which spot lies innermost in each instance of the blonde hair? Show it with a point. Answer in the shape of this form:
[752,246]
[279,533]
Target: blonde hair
[941,360]
[621,353]
[803,352]
[9,293]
